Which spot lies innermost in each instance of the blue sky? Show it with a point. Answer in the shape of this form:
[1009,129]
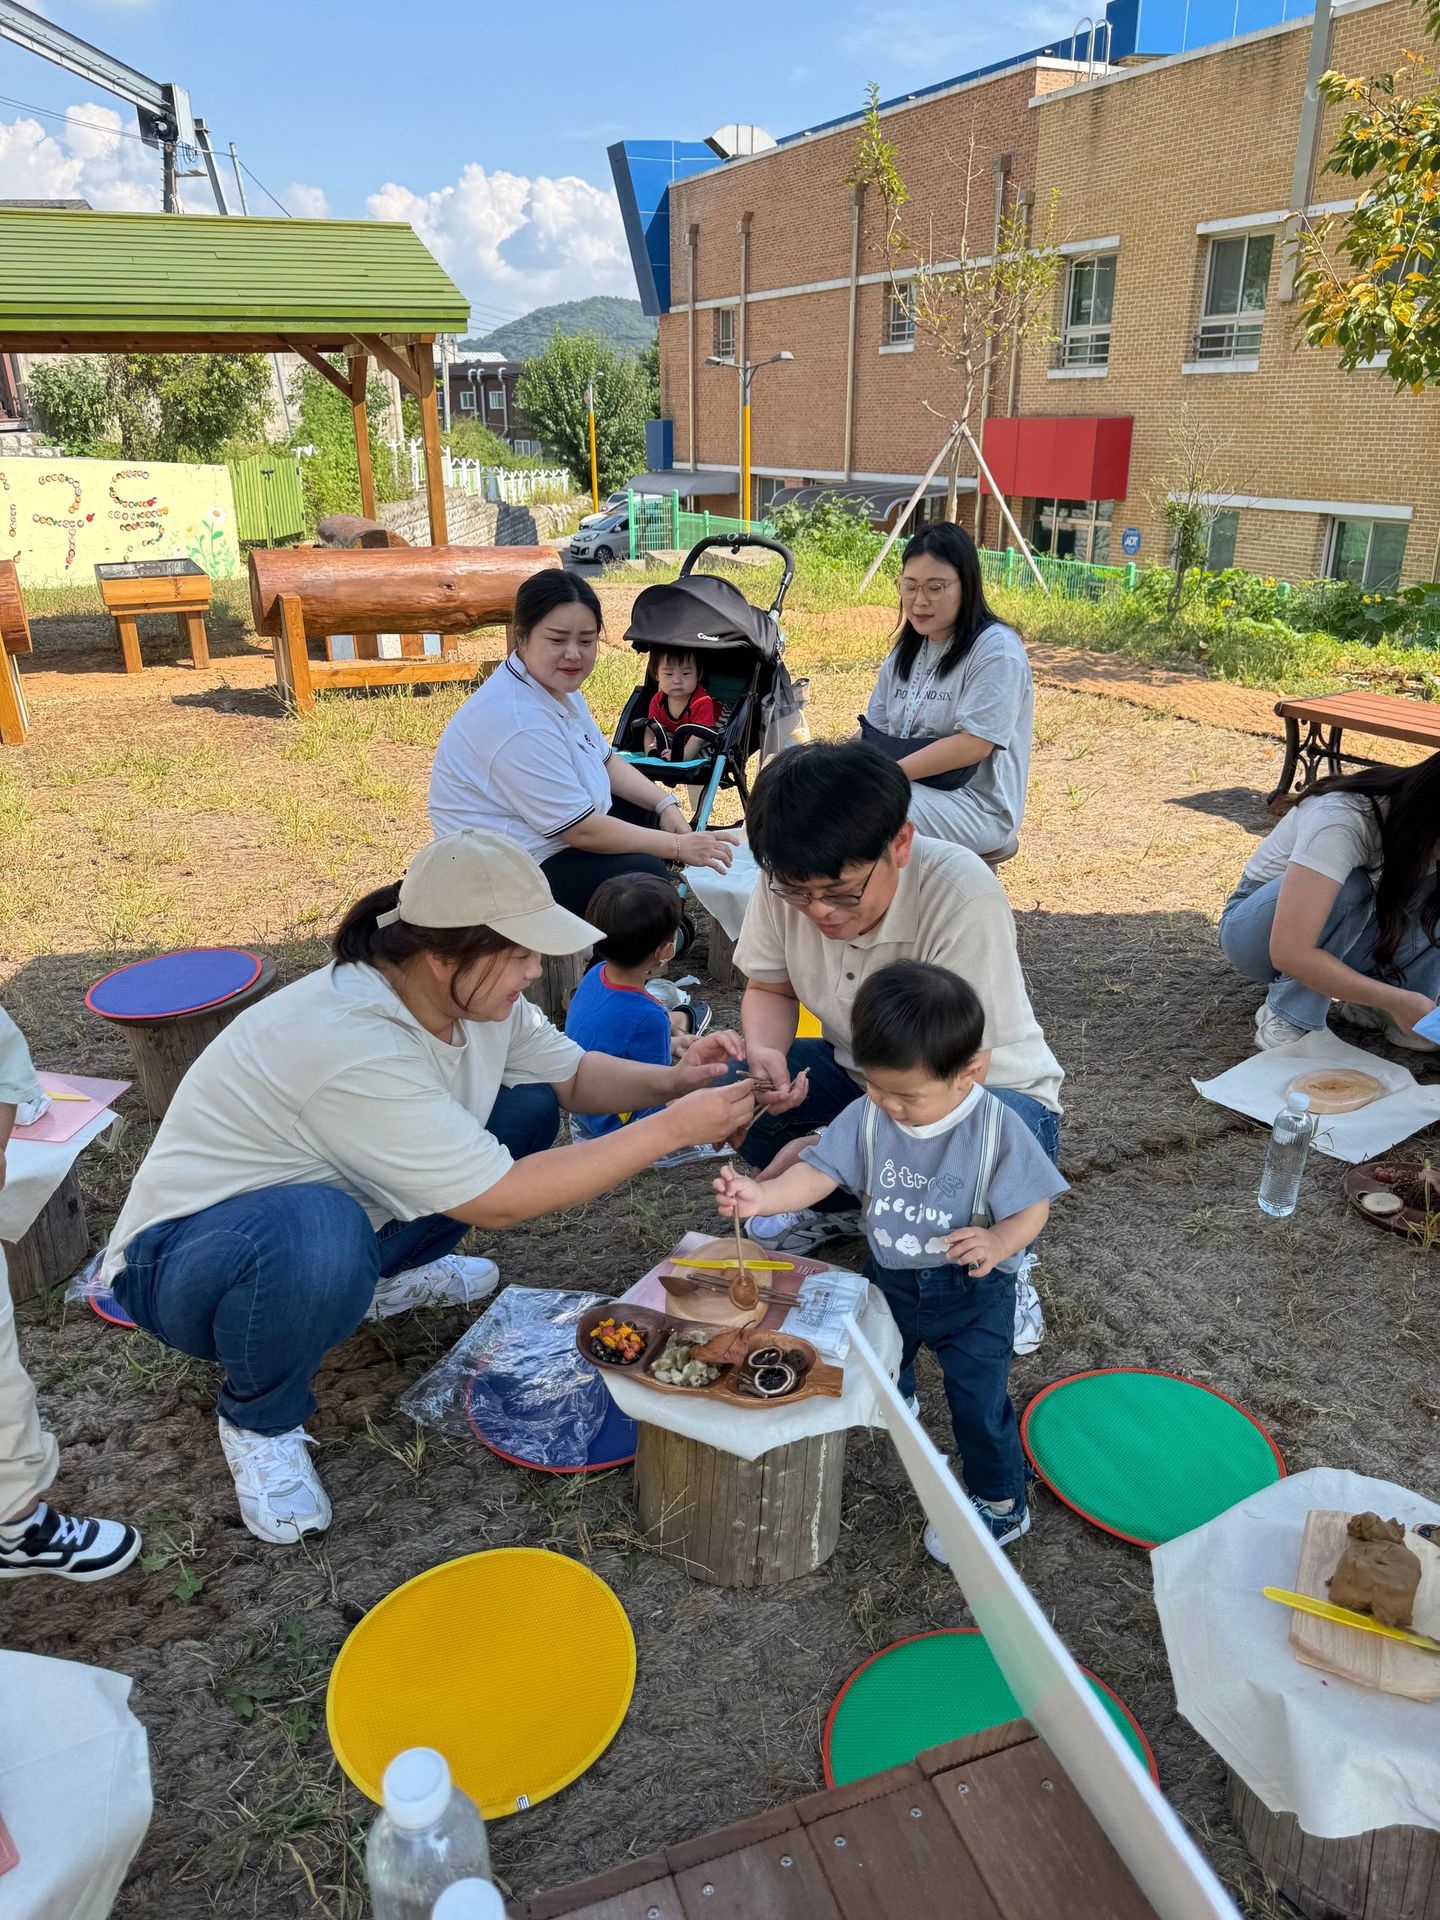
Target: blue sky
[485,126]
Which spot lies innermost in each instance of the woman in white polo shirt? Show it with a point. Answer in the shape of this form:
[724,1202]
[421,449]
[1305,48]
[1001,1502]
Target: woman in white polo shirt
[326,1154]
[954,705]
[1341,901]
[524,757]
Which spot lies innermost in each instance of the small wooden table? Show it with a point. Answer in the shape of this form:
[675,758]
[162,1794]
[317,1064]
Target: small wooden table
[988,1827]
[130,588]
[1325,720]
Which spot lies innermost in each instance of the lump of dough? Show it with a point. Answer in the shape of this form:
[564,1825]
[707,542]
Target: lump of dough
[1377,1574]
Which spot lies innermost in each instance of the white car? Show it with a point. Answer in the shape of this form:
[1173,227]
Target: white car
[614,501]
[604,539]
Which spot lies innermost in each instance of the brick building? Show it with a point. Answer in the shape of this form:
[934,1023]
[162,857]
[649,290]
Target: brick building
[1173,177]
[482,388]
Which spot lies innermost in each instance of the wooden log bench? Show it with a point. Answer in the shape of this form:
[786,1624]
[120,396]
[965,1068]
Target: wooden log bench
[1382,715]
[133,588]
[14,639]
[989,1828]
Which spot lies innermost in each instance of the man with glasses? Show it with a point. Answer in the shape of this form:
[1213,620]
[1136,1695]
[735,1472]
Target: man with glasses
[848,887]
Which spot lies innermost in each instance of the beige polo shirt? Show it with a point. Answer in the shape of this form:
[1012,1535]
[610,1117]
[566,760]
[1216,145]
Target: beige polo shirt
[948,909]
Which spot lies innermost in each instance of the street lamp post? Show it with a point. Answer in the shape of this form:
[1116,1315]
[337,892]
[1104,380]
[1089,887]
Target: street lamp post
[747,369]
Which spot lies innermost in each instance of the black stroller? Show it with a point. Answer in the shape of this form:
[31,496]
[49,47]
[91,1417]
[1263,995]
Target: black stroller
[739,648]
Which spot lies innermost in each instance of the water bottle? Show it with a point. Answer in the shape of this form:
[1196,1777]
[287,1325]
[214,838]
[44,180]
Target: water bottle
[428,1837]
[470,1900]
[1290,1139]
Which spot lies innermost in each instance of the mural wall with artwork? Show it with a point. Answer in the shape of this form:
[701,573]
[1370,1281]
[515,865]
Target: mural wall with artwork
[59,517]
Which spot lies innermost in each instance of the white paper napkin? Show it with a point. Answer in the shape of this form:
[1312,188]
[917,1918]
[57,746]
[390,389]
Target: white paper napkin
[1258,1085]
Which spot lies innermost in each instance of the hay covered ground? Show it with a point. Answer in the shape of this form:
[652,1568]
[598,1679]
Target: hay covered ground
[181,808]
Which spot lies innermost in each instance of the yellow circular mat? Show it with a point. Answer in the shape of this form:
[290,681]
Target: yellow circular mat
[518,1665]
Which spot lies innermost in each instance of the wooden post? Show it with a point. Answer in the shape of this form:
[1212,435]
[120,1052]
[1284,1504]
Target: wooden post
[359,377]
[740,1523]
[55,1245]
[560,975]
[192,628]
[129,641]
[292,661]
[423,360]
[1392,1873]
[14,722]
[721,964]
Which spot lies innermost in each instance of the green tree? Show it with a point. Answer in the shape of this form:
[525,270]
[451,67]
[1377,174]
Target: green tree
[71,398]
[1365,281]
[552,391]
[187,406]
[325,428]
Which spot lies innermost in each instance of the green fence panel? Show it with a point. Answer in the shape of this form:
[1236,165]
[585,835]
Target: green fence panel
[269,499]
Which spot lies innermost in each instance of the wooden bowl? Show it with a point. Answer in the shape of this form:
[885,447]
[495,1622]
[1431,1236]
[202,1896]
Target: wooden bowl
[1379,1176]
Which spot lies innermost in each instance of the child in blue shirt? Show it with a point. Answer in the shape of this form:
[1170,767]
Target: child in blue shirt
[956,1187]
[640,916]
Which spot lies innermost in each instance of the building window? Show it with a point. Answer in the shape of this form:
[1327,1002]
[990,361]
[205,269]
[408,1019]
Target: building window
[900,316]
[467,400]
[766,488]
[1220,545]
[1235,281]
[1073,529]
[1368,553]
[725,333]
[495,399]
[1089,299]
[530,448]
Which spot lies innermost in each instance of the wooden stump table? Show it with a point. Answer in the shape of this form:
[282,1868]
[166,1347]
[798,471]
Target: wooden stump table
[53,1247]
[164,1046]
[740,1523]
[131,588]
[560,975]
[1391,1874]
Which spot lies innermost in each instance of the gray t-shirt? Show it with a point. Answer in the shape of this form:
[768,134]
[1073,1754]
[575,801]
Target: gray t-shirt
[990,694]
[924,1178]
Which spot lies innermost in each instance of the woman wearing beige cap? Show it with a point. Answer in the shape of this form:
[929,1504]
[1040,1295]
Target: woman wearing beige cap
[324,1157]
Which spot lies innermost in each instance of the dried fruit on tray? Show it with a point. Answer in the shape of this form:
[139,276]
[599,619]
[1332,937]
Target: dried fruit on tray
[617,1342]
[676,1366]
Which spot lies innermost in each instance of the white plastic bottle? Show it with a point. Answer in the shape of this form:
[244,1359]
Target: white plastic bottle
[428,1837]
[470,1900]
[1285,1156]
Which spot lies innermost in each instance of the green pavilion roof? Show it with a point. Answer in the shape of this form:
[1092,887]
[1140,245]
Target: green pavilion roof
[66,278]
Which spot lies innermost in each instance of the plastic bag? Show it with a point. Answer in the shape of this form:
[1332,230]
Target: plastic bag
[783,721]
[824,1307]
[517,1381]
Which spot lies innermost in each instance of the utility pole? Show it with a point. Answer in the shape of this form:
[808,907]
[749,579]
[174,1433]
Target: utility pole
[239,182]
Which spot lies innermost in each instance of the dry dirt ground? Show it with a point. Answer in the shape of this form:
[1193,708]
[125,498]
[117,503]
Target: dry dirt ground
[180,808]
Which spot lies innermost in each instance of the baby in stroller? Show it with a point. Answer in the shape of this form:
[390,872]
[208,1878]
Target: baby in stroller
[682,720]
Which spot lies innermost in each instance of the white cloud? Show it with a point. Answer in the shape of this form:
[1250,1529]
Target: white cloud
[900,40]
[88,157]
[516,242]
[306,203]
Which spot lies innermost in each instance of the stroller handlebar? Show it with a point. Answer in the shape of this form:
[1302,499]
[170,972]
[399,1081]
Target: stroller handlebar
[734,541]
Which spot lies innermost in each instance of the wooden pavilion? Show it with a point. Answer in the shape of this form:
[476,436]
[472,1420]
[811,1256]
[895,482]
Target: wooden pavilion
[171,283]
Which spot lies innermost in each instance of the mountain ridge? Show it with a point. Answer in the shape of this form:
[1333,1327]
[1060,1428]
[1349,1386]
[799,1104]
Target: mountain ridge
[619,322]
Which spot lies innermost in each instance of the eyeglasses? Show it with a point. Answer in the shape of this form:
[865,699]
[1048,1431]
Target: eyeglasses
[931,591]
[801,897]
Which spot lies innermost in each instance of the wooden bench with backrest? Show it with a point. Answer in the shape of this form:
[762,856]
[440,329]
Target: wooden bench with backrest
[1382,715]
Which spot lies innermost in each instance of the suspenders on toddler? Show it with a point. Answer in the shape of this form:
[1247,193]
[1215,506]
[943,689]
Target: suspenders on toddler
[989,1153]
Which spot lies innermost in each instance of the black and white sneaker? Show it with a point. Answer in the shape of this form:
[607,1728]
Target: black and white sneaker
[64,1544]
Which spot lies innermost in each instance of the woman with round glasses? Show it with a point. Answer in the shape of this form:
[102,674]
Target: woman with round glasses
[954,704]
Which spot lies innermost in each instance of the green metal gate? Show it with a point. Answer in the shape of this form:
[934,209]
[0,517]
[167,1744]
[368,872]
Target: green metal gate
[269,500]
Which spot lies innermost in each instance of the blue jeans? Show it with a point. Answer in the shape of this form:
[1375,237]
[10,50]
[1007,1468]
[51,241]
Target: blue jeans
[969,1325]
[832,1090]
[1349,935]
[267,1283]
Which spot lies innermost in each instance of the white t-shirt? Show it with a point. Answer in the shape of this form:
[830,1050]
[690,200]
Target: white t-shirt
[521,761]
[948,909]
[1332,834]
[990,694]
[334,1082]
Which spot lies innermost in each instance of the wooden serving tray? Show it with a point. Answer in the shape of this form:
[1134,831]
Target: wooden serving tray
[820,1379]
[1369,1659]
[1413,1222]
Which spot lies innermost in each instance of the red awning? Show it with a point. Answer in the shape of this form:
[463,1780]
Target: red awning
[1059,459]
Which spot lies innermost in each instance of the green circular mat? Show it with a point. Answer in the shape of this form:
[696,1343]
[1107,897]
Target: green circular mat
[921,1693]
[1146,1456]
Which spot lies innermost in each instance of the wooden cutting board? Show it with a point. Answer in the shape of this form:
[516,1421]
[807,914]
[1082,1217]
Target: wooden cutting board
[1369,1659]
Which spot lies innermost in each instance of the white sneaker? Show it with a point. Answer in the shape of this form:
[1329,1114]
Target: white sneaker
[799,1232]
[913,1403]
[1273,1029]
[1374,1020]
[454,1280]
[281,1497]
[1029,1314]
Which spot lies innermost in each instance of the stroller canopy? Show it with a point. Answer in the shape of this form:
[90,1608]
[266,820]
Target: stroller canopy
[703,614]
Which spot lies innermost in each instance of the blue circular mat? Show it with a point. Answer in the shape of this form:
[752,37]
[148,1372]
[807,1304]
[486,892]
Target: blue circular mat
[174,983]
[612,1446]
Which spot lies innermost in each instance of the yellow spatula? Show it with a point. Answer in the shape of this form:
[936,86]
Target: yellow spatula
[1343,1617]
[749,1266]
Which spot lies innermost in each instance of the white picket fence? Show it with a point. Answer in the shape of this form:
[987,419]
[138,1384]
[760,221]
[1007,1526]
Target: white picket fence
[511,486]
